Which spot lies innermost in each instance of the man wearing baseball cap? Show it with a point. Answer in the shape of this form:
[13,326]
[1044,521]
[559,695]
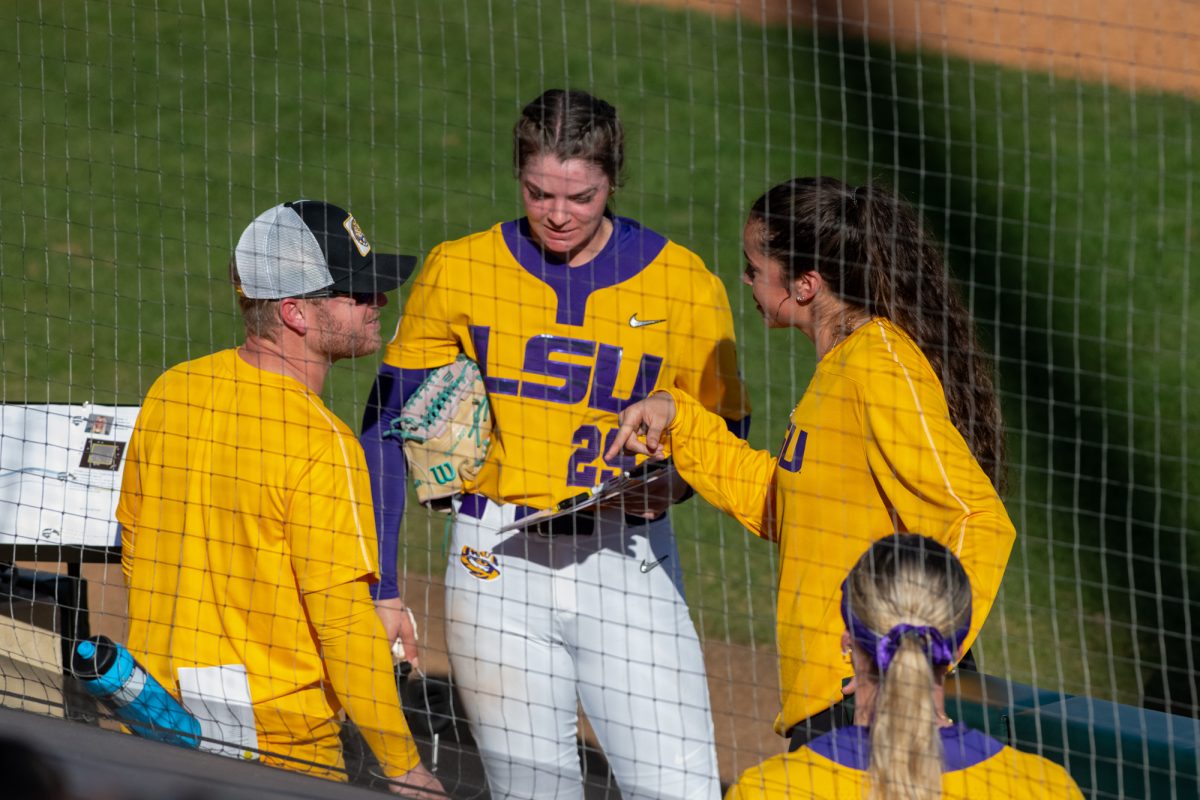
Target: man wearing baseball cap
[248,533]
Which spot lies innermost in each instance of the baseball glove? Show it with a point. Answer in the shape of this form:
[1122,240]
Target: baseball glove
[446,428]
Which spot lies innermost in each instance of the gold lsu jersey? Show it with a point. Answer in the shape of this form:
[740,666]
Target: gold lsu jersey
[975,767]
[871,450]
[564,349]
[224,556]
[243,499]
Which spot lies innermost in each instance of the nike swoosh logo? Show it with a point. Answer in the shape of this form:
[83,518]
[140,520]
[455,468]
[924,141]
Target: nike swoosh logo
[634,322]
[647,567]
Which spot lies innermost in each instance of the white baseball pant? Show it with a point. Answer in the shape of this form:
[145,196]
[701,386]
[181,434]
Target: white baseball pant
[536,624]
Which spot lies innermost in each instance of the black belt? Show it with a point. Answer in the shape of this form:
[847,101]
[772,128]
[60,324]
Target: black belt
[581,523]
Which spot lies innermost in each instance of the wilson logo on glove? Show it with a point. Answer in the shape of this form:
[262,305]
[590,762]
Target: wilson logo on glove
[446,428]
[443,473]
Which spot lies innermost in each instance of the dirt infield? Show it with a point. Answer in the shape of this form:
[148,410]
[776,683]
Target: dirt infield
[1125,44]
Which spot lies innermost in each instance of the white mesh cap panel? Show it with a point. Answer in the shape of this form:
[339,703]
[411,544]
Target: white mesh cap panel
[278,256]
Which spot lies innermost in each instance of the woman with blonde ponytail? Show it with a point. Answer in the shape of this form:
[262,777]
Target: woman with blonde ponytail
[906,606]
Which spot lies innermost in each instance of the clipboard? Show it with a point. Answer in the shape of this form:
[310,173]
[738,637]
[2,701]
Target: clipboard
[643,475]
[61,467]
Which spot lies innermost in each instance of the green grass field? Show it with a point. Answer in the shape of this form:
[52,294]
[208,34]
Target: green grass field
[138,142]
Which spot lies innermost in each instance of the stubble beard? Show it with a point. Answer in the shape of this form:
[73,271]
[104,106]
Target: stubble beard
[339,341]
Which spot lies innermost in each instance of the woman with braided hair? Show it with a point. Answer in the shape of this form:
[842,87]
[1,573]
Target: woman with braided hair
[906,607]
[571,312]
[899,429]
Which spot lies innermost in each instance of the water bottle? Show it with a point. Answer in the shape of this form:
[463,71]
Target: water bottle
[111,674]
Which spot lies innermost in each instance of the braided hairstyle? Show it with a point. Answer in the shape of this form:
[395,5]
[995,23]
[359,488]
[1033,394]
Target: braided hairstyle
[571,124]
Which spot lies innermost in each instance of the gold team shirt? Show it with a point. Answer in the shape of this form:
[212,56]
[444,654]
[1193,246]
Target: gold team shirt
[564,349]
[242,493]
[870,451]
[975,767]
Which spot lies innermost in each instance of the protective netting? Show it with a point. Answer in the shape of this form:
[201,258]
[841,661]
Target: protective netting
[1051,150]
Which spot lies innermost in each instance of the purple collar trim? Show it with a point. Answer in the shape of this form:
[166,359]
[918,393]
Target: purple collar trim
[851,747]
[629,250]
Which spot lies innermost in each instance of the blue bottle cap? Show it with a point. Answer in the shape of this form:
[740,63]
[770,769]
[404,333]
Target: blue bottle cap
[86,649]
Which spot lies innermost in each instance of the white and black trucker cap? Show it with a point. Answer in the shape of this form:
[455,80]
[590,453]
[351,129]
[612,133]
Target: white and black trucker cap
[308,248]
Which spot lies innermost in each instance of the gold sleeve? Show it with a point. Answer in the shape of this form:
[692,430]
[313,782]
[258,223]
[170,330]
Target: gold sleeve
[724,469]
[359,665]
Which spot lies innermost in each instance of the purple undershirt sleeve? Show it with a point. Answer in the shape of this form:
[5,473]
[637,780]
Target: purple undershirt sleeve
[389,471]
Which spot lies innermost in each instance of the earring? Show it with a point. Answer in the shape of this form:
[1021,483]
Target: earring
[846,655]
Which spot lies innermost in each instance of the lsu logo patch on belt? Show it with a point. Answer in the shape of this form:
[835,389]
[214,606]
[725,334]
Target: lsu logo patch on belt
[480,563]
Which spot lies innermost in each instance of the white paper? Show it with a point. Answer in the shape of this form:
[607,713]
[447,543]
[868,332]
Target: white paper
[219,698]
[60,473]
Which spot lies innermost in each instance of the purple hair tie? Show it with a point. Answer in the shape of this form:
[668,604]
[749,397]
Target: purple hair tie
[940,649]
[933,644]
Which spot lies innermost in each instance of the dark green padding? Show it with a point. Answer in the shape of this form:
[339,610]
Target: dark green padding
[986,703]
[989,703]
[1114,750]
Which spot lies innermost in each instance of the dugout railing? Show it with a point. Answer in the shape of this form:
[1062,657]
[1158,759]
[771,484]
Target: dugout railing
[1112,750]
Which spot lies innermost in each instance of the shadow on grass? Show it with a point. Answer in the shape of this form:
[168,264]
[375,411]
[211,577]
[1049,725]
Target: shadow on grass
[1114,526]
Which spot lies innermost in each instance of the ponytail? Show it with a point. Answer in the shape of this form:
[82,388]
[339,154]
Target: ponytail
[906,750]
[917,591]
[876,254]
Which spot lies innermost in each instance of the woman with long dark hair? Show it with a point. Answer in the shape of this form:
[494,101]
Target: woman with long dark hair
[906,608]
[899,428]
